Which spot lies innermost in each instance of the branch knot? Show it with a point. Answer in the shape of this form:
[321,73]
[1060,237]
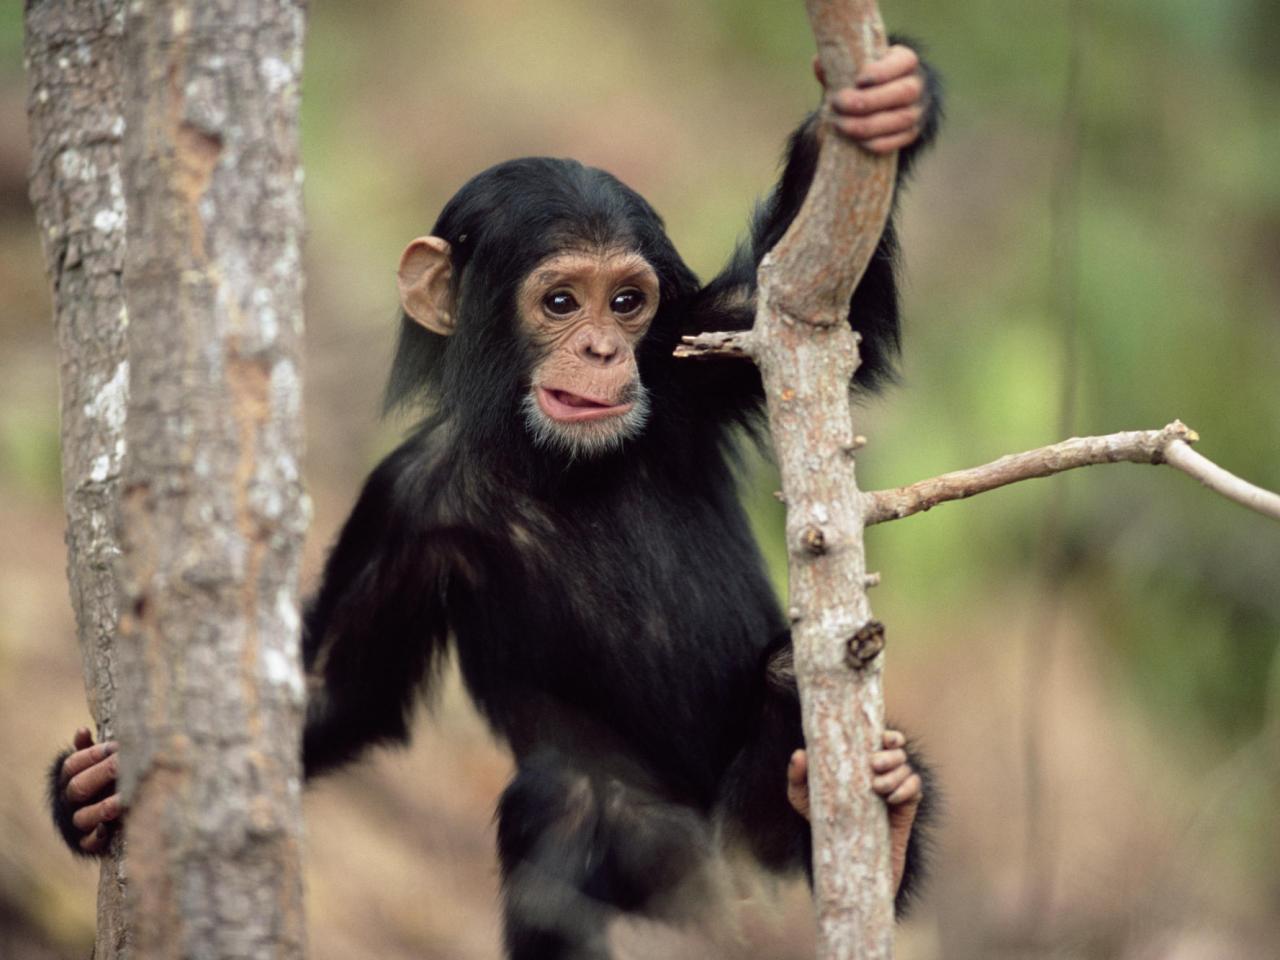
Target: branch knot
[865,645]
[814,540]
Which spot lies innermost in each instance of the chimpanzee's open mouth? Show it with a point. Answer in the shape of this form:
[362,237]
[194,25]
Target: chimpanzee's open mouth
[573,408]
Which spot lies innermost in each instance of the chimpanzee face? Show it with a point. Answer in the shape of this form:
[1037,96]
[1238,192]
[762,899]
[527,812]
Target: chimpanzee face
[585,312]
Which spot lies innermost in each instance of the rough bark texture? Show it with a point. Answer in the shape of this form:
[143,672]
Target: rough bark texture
[72,62]
[807,355]
[213,508]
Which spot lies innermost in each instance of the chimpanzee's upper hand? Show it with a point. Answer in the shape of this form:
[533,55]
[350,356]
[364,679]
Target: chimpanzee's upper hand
[86,806]
[884,112]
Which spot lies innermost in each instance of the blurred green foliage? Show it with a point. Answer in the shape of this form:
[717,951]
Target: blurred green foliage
[1178,316]
[1179,246]
[10,37]
[29,457]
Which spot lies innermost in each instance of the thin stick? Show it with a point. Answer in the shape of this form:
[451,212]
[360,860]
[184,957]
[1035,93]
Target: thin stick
[1179,454]
[735,344]
[1170,445]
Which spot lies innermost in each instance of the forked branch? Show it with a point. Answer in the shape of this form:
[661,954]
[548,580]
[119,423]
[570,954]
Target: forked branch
[1171,445]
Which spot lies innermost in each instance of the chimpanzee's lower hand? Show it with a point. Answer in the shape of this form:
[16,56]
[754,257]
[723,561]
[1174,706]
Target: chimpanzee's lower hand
[885,110]
[893,778]
[86,806]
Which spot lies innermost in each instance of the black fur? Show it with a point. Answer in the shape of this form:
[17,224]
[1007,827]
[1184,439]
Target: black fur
[611,615]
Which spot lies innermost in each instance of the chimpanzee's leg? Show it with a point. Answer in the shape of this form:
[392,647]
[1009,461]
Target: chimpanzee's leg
[575,848]
[546,822]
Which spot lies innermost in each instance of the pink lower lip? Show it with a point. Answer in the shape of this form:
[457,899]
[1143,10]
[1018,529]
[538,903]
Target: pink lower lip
[558,409]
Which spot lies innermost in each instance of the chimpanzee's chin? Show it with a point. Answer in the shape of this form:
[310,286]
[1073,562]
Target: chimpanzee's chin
[584,439]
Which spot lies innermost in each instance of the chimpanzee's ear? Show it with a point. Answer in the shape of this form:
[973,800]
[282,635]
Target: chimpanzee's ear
[425,290]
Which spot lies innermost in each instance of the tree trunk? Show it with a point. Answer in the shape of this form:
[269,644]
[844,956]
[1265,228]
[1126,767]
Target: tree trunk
[213,508]
[72,59]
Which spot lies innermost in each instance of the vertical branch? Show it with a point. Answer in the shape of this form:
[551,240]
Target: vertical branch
[72,60]
[807,355]
[213,508]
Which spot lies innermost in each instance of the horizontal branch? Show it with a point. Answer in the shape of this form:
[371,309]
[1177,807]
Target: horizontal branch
[1170,445]
[728,343]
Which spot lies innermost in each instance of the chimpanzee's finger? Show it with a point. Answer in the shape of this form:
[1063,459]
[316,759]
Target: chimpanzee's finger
[888,123]
[887,783]
[97,841]
[898,61]
[912,789]
[82,760]
[82,739]
[818,71]
[86,785]
[894,739]
[798,783]
[882,761]
[798,769]
[889,144]
[903,92]
[91,817]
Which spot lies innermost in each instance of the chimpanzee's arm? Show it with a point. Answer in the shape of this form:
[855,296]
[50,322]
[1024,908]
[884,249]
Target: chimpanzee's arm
[376,629]
[728,301]
[920,833]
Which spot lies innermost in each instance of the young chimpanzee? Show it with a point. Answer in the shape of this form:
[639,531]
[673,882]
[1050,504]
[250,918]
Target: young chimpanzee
[566,517]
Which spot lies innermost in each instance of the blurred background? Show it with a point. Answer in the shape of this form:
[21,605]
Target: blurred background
[1090,661]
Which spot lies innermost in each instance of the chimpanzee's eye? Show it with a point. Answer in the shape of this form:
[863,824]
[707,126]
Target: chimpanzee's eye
[559,303]
[626,301]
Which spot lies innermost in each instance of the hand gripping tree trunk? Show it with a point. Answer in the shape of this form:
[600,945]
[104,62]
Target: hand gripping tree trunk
[72,57]
[807,356]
